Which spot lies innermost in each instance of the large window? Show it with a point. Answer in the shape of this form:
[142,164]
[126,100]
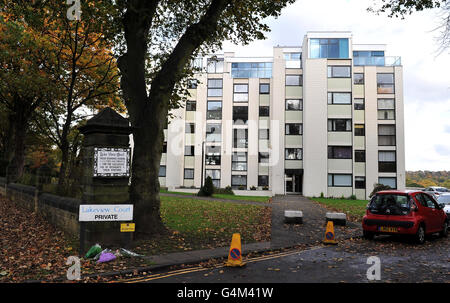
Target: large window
[189,150]
[214,174]
[339,180]
[214,111]
[368,58]
[294,129]
[239,161]
[215,65]
[264,88]
[239,181]
[389,181]
[386,135]
[339,98]
[339,152]
[240,138]
[293,60]
[264,111]
[386,109]
[240,93]
[339,72]
[162,171]
[190,128]
[264,134]
[385,83]
[294,104]
[329,48]
[192,84]
[387,162]
[339,125]
[294,80]
[240,115]
[360,156]
[189,173]
[191,106]
[263,157]
[359,104]
[263,180]
[360,130]
[360,182]
[214,87]
[251,70]
[358,78]
[213,132]
[212,156]
[293,154]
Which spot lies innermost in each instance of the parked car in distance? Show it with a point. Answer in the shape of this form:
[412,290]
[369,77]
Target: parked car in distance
[413,213]
[436,190]
[445,199]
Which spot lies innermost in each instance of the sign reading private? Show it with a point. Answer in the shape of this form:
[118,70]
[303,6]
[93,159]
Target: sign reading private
[111,162]
[106,212]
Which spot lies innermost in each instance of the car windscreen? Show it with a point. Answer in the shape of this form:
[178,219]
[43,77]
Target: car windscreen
[442,189]
[444,199]
[390,204]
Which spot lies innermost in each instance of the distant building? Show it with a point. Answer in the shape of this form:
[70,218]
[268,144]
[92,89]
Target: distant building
[325,117]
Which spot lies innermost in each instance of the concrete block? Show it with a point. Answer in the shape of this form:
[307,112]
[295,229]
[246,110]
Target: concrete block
[337,218]
[293,216]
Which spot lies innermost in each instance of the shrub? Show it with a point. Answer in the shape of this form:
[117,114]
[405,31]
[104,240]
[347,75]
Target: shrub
[208,189]
[224,191]
[379,187]
[322,195]
[253,188]
[352,197]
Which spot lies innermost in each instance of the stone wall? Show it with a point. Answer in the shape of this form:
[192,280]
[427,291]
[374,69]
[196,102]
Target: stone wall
[62,212]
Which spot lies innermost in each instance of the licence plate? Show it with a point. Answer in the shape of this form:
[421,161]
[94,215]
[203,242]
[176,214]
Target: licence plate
[388,229]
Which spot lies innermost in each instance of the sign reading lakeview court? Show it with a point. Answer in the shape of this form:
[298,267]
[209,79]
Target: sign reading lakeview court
[106,212]
[111,162]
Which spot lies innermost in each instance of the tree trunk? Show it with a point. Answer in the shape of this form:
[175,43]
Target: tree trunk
[19,129]
[64,154]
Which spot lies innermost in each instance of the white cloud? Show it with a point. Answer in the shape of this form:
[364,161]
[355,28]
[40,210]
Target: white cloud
[426,75]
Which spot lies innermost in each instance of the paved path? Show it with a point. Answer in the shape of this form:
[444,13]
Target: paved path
[313,228]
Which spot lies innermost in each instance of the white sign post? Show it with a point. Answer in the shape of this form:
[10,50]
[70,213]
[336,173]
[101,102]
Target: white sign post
[111,162]
[105,212]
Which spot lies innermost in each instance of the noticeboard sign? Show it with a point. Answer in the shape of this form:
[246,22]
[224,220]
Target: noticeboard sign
[105,212]
[111,162]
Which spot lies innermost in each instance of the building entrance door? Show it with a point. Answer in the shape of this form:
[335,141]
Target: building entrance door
[294,184]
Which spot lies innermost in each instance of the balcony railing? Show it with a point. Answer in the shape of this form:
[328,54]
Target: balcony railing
[378,61]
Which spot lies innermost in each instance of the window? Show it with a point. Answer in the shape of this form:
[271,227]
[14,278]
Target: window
[358,78]
[192,84]
[293,60]
[339,125]
[215,65]
[387,162]
[197,64]
[385,83]
[339,72]
[240,138]
[189,173]
[189,150]
[294,104]
[386,109]
[339,152]
[214,174]
[239,182]
[263,157]
[251,70]
[190,128]
[264,134]
[214,87]
[164,147]
[263,180]
[359,104]
[389,181]
[239,161]
[294,129]
[213,132]
[214,111]
[368,58]
[264,88]
[329,48]
[212,156]
[240,115]
[240,93]
[360,130]
[386,135]
[294,80]
[162,171]
[293,154]
[360,182]
[339,180]
[360,156]
[339,98]
[264,111]
[191,106]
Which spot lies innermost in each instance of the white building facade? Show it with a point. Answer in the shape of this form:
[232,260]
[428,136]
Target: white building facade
[326,117]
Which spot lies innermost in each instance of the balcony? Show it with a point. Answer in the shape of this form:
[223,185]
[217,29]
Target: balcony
[377,61]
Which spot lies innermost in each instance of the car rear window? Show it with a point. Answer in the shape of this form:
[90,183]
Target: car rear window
[390,204]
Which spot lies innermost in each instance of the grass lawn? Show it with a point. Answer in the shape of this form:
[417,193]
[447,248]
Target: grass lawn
[355,209]
[202,224]
[223,196]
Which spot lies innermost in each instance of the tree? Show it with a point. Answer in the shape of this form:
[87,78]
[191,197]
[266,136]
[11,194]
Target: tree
[208,189]
[161,39]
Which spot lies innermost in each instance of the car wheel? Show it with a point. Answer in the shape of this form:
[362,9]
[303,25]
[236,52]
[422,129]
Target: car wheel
[368,235]
[444,232]
[420,235]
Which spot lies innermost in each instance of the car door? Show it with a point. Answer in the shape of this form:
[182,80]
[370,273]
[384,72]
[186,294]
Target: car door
[436,217]
[425,211]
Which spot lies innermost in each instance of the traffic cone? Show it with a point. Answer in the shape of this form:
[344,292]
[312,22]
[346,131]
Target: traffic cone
[235,254]
[329,234]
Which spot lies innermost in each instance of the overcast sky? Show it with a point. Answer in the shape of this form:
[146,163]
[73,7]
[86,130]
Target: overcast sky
[426,73]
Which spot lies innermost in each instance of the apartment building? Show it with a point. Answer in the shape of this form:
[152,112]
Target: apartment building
[325,117]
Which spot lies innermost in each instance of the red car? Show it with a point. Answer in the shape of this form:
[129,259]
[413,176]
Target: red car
[414,213]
